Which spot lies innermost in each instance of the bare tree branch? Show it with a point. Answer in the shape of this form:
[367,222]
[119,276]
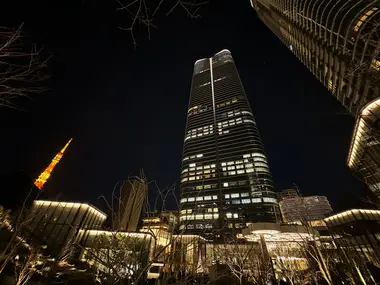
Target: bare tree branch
[144,13]
[20,69]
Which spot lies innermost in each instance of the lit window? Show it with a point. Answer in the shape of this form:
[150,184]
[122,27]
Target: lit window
[229,215]
[256,200]
[249,165]
[246,155]
[199,199]
[216,210]
[227,196]
[184,180]
[212,165]
[244,194]
[363,18]
[224,164]
[262,169]
[225,184]
[240,171]
[208,216]
[235,195]
[236,216]
[270,200]
[231,167]
[183,200]
[214,197]
[230,163]
[199,155]
[199,187]
[246,201]
[191,199]
[258,154]
[191,178]
[232,173]
[216,216]
[236,202]
[249,170]
[192,165]
[199,217]
[207,198]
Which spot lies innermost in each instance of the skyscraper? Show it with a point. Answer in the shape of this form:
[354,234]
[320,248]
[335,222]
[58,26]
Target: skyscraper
[132,195]
[301,209]
[338,41]
[225,178]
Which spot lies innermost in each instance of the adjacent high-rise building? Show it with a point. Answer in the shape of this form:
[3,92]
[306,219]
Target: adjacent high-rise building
[225,178]
[300,209]
[338,41]
[130,200]
[287,194]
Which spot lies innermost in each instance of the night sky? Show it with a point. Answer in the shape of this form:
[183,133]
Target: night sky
[126,108]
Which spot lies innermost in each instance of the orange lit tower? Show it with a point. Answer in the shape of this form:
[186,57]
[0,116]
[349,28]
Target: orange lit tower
[44,176]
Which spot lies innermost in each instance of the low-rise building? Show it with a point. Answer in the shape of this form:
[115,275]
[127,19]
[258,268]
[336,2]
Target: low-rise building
[57,223]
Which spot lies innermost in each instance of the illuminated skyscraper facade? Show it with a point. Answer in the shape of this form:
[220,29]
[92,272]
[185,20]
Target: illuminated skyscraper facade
[338,41]
[225,178]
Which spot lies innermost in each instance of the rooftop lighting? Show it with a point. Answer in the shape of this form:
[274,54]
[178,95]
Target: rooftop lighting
[71,204]
[360,129]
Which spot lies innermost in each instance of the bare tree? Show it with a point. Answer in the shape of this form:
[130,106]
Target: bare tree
[20,68]
[144,12]
[25,266]
[245,260]
[128,256]
[292,263]
[17,228]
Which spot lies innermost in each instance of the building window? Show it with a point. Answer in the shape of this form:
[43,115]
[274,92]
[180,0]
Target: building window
[270,200]
[363,18]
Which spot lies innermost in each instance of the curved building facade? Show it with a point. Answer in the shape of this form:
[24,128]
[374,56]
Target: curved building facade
[225,178]
[337,40]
